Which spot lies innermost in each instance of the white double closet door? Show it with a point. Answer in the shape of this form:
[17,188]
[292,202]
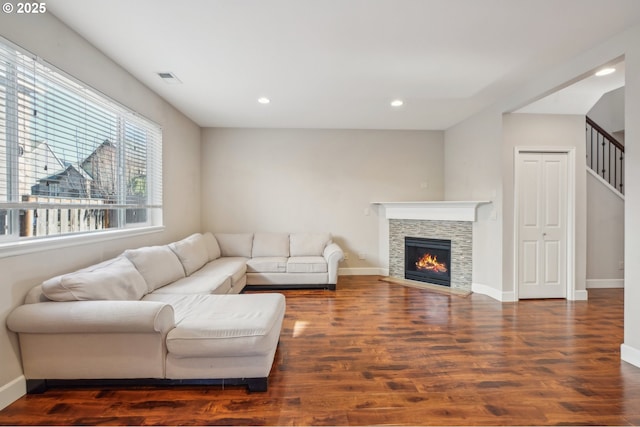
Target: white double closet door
[542,185]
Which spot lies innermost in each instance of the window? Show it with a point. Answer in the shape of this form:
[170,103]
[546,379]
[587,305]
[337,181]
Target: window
[71,160]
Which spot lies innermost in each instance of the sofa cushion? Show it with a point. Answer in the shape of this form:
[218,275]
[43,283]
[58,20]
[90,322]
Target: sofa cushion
[157,264]
[235,244]
[234,267]
[223,325]
[35,295]
[192,252]
[267,264]
[198,284]
[212,245]
[308,244]
[270,245]
[114,279]
[307,264]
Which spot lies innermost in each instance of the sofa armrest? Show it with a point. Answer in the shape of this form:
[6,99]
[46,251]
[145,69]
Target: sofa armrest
[333,254]
[92,317]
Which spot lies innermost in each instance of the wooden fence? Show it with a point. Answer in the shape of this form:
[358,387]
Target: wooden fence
[63,220]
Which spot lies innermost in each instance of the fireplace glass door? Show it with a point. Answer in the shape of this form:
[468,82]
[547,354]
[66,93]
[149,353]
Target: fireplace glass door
[428,260]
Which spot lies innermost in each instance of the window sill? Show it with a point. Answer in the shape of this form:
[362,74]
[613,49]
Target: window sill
[11,249]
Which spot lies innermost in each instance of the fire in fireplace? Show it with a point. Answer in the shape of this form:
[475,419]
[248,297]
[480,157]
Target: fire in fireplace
[428,260]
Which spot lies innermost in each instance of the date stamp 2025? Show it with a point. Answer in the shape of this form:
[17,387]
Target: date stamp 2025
[30,8]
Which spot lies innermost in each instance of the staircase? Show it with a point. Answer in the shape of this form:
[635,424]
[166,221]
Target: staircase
[605,155]
[605,209]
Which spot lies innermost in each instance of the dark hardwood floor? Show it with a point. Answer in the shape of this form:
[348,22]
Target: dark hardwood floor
[374,352]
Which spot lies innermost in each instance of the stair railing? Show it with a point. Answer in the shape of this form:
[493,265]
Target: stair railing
[605,155]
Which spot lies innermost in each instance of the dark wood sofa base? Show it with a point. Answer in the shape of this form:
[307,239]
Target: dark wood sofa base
[38,386]
[275,287]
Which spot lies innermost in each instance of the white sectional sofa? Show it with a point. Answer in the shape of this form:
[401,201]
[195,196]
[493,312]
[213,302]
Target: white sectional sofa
[170,313]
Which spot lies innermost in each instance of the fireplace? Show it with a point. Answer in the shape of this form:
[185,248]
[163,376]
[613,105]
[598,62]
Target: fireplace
[428,260]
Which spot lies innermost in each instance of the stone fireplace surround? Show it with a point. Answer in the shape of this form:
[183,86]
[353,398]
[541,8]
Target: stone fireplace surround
[435,220]
[460,234]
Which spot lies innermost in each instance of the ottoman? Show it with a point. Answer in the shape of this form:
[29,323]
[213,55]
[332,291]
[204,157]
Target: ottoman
[232,337]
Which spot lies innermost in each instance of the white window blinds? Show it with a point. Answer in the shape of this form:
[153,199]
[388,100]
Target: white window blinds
[71,160]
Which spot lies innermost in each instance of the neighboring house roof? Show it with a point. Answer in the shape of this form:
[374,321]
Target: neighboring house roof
[95,169]
[97,153]
[66,171]
[41,155]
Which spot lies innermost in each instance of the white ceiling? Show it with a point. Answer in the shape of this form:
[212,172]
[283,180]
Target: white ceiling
[579,97]
[339,63]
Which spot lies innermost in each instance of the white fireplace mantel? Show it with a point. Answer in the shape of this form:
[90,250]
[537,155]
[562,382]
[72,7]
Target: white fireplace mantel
[436,210]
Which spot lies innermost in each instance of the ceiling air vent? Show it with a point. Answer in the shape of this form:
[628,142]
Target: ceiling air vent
[169,78]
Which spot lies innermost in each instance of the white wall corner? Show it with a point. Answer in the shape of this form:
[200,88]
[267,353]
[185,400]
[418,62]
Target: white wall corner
[492,292]
[12,391]
[630,355]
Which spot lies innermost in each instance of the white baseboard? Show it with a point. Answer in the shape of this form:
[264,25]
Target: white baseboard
[510,296]
[580,295]
[371,271]
[630,355]
[494,293]
[12,391]
[605,283]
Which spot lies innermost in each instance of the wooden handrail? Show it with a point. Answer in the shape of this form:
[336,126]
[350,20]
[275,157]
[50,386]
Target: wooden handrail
[608,165]
[606,134]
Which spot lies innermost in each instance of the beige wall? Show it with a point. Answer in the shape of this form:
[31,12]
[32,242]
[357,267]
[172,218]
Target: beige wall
[479,155]
[605,235]
[631,347]
[608,112]
[488,129]
[605,208]
[473,171]
[324,180]
[45,36]
[539,131]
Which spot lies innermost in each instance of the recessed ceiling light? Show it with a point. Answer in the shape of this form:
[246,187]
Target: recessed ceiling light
[605,71]
[397,103]
[264,100]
